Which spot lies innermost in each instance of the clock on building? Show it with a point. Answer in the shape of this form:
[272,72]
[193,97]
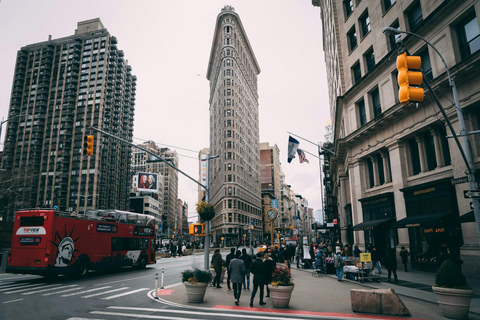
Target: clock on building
[272,213]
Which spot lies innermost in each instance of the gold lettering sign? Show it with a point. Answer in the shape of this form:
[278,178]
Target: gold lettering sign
[440,230]
[428,231]
[416,193]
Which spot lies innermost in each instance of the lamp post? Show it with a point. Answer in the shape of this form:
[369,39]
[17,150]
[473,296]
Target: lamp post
[207,223]
[465,151]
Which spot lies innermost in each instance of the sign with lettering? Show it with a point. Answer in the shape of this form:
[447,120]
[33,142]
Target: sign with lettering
[365,257]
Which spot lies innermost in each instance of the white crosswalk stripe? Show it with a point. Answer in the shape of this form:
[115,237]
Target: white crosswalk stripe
[48,289]
[125,293]
[13,286]
[86,291]
[29,288]
[62,291]
[105,292]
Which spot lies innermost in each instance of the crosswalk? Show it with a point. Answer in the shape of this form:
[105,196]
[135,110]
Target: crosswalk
[108,292]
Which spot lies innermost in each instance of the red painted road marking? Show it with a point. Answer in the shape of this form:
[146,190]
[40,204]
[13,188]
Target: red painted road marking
[164,292]
[313,313]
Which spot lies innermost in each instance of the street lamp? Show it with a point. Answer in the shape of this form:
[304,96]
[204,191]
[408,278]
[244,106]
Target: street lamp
[207,223]
[465,151]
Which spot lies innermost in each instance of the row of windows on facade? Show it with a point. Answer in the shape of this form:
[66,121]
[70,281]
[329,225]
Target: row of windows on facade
[468,37]
[426,151]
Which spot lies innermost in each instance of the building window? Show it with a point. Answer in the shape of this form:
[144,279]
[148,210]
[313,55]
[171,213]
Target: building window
[365,23]
[387,4]
[348,5]
[392,38]
[468,35]
[429,143]
[356,72]
[371,176]
[377,107]
[426,65]
[362,116]
[352,38]
[369,59]
[414,156]
[414,15]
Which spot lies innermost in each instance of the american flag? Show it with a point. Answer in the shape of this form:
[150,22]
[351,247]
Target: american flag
[301,156]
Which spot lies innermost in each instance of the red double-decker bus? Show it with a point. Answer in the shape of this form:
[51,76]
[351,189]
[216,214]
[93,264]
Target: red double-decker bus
[48,242]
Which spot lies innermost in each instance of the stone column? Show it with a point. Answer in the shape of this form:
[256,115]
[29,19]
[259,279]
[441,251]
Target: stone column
[421,152]
[386,166]
[376,179]
[438,148]
[357,190]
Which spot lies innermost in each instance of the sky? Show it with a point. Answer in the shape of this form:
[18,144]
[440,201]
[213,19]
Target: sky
[168,43]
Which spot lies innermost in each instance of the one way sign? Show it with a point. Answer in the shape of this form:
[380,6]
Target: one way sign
[471,194]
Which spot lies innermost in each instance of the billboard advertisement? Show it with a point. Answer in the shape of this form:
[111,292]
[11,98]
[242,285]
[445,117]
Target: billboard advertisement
[203,170]
[147,182]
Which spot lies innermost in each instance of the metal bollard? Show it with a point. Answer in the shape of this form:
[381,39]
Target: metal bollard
[156,285]
[163,272]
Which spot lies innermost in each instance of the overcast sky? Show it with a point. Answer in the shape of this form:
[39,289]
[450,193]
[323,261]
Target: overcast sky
[168,43]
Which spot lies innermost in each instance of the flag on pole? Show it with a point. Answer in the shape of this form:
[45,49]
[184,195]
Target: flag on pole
[292,148]
[301,156]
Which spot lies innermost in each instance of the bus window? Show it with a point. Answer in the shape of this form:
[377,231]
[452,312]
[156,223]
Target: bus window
[143,244]
[132,218]
[122,217]
[117,244]
[142,220]
[31,221]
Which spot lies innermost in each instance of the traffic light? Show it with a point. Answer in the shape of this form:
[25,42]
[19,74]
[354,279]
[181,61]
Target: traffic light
[198,229]
[407,78]
[88,145]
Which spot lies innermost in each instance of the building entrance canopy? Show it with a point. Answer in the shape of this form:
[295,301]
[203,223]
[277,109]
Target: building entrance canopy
[418,221]
[370,225]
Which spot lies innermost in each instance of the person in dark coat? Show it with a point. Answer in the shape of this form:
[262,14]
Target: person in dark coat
[269,268]
[229,258]
[247,259]
[217,262]
[404,254]
[259,273]
[287,258]
[391,264]
[376,260]
[237,271]
[298,255]
[356,251]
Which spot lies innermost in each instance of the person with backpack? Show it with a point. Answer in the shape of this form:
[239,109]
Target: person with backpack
[338,263]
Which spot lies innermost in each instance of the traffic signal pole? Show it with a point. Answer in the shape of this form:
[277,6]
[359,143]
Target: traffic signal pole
[465,151]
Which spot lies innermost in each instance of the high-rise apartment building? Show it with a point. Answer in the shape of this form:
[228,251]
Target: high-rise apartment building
[399,181]
[64,86]
[234,134]
[167,182]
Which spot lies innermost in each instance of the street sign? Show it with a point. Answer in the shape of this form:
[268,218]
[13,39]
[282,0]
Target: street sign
[459,180]
[470,194]
[334,221]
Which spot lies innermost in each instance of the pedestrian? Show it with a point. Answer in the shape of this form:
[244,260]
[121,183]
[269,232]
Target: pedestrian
[269,268]
[247,259]
[173,250]
[259,272]
[391,264]
[356,251]
[217,262]
[179,249]
[404,254]
[237,271]
[250,250]
[298,255]
[287,258]
[376,260]
[229,258]
[319,260]
[338,263]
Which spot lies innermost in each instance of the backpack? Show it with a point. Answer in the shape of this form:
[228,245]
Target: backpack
[339,263]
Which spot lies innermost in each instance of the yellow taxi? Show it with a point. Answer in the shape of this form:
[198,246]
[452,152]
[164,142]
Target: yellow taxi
[262,248]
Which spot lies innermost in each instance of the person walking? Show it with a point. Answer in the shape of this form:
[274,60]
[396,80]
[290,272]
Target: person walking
[229,258]
[404,254]
[259,273]
[298,255]
[391,265]
[287,259]
[338,263]
[247,259]
[319,260]
[237,271]
[356,251]
[269,268]
[217,262]
[376,260]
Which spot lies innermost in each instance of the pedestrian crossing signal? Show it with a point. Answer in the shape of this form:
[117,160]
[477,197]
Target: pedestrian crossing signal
[196,229]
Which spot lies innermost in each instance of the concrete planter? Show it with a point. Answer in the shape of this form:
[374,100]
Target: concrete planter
[280,295]
[195,291]
[454,303]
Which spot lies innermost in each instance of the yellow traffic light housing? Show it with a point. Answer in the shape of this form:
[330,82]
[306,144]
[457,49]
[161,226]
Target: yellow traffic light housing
[198,229]
[407,78]
[88,145]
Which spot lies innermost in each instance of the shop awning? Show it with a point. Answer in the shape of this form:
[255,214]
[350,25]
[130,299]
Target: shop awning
[370,225]
[419,220]
[467,217]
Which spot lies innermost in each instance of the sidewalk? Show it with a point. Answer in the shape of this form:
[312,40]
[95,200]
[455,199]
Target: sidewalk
[325,296]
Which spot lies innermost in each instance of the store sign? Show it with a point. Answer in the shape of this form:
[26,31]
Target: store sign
[365,257]
[428,190]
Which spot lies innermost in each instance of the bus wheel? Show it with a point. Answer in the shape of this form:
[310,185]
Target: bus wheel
[82,268]
[142,264]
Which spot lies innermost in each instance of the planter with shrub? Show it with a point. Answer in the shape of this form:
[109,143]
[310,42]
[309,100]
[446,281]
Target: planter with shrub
[281,288]
[196,282]
[452,292]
